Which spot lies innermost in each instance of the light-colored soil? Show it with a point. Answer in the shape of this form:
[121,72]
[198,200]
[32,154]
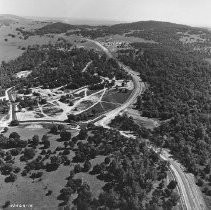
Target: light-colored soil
[144,121]
[27,132]
[55,109]
[23,74]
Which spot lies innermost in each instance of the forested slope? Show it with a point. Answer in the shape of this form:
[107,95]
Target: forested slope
[179,90]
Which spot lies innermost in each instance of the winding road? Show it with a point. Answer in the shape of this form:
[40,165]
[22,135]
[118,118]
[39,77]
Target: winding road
[190,194]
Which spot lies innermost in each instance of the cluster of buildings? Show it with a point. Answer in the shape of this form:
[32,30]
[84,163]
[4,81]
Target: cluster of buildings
[117,44]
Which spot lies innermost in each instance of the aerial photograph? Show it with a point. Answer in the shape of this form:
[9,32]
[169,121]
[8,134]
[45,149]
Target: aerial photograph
[105,104]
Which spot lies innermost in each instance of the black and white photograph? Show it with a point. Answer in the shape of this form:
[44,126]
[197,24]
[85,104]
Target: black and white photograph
[105,105]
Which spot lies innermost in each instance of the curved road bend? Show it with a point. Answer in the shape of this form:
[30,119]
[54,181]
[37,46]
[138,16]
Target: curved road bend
[138,89]
[190,194]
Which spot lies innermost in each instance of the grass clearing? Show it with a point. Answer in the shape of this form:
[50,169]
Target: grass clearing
[115,96]
[89,92]
[94,183]
[208,60]
[109,106]
[84,105]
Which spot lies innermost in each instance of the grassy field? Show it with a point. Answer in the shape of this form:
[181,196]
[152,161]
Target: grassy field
[9,52]
[89,92]
[89,45]
[108,106]
[148,123]
[94,183]
[115,96]
[11,46]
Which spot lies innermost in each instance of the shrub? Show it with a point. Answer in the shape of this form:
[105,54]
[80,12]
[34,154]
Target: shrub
[5,129]
[61,127]
[107,160]
[49,192]
[54,129]
[74,139]
[29,153]
[65,135]
[6,169]
[65,193]
[22,158]
[15,151]
[72,173]
[11,178]
[96,169]
[172,185]
[82,134]
[66,152]
[7,203]
[14,123]
[208,193]
[14,135]
[200,182]
[87,166]
[77,168]
[24,173]
[43,152]
[36,175]
[35,140]
[17,170]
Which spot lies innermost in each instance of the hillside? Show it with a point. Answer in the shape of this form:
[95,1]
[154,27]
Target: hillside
[59,85]
[148,25]
[160,32]
[7,19]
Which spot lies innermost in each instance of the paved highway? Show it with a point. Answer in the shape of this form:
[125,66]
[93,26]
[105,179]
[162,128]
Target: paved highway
[138,89]
[192,197]
[190,194]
